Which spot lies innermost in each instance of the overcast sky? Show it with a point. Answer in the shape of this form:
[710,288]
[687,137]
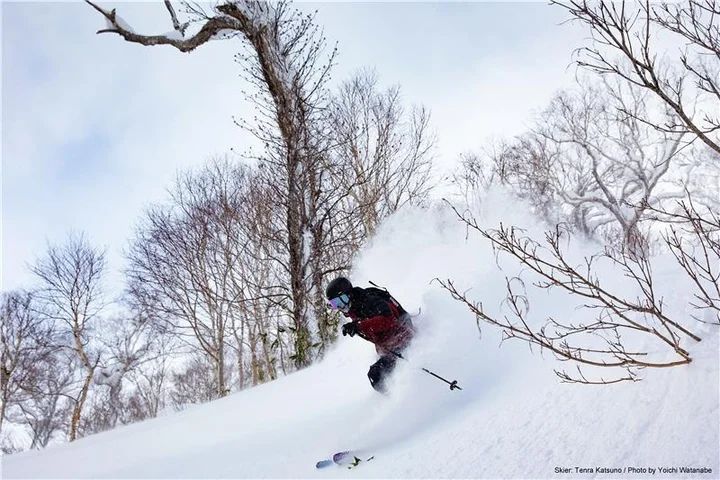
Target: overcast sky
[94,129]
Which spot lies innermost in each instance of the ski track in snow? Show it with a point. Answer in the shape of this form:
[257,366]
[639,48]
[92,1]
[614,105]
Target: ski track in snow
[512,420]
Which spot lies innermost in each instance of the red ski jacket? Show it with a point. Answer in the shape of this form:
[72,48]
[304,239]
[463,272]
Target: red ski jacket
[380,319]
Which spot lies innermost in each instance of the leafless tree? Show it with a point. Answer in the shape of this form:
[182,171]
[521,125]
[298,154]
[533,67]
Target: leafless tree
[626,44]
[70,293]
[478,172]
[38,373]
[621,320]
[589,161]
[151,383]
[102,413]
[208,264]
[613,156]
[313,231]
[194,384]
[49,396]
[26,340]
[614,164]
[288,65]
[258,279]
[523,165]
[130,339]
[386,151]
[297,175]
[183,260]
[629,43]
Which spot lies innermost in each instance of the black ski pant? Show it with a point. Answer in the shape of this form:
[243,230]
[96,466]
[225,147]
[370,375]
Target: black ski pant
[380,371]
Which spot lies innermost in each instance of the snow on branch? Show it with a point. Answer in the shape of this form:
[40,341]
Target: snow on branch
[212,26]
[588,161]
[176,23]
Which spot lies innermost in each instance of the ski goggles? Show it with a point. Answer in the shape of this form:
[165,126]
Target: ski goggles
[340,302]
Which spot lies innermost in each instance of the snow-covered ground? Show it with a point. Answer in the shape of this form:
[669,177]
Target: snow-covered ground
[512,419]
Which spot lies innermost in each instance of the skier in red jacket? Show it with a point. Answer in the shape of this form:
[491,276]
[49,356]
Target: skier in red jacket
[378,318]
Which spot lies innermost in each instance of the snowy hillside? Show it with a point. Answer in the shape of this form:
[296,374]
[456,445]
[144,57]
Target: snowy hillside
[512,419]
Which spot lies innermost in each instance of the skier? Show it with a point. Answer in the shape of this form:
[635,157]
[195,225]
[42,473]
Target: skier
[378,318]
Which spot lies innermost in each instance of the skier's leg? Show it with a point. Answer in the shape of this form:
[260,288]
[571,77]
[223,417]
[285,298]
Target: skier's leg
[380,371]
[377,377]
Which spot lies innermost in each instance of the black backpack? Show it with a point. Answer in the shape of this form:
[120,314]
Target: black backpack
[385,295]
[374,301]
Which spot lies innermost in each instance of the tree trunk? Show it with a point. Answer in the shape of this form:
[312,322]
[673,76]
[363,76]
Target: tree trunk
[79,404]
[272,373]
[221,322]
[220,369]
[3,406]
[298,292]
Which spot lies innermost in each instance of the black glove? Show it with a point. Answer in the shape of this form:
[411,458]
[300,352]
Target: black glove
[350,328]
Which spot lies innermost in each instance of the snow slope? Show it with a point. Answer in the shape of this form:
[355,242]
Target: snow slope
[513,418]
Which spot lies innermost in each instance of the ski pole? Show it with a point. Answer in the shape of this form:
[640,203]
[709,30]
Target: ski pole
[453,384]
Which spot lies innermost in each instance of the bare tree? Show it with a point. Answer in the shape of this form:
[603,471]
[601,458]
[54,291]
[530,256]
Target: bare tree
[26,340]
[288,66]
[261,290]
[604,342]
[48,397]
[130,340]
[523,165]
[629,43]
[386,151]
[254,284]
[70,292]
[194,384]
[151,382]
[617,162]
[102,412]
[615,158]
[38,373]
[589,161]
[625,44]
[297,173]
[313,231]
[182,262]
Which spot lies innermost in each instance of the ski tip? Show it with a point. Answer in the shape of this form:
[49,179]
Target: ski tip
[339,456]
[324,463]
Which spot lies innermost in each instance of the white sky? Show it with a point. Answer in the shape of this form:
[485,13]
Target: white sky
[94,129]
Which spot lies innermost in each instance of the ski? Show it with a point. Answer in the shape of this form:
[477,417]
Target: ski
[324,463]
[350,459]
[342,458]
[346,458]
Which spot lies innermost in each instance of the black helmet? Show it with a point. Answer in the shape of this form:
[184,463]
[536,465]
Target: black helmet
[337,287]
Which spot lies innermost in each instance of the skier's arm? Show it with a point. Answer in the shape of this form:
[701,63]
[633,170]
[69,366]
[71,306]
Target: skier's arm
[376,324]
